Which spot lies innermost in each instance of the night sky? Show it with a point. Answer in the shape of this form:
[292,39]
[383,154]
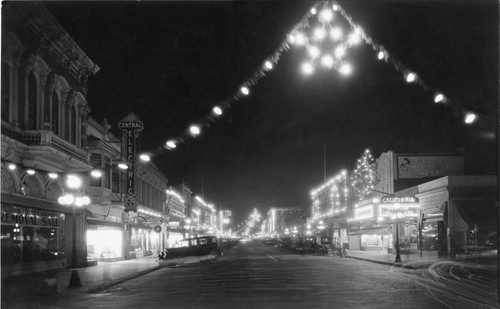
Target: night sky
[171,62]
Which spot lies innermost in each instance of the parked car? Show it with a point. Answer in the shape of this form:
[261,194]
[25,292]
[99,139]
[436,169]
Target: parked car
[204,249]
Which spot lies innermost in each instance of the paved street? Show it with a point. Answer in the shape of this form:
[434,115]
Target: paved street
[254,275]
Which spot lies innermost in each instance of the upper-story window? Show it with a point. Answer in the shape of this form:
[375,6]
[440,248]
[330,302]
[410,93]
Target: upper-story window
[32,101]
[108,174]
[72,124]
[6,71]
[54,123]
[95,161]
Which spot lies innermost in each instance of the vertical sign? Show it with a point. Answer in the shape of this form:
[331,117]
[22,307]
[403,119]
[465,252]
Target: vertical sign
[131,126]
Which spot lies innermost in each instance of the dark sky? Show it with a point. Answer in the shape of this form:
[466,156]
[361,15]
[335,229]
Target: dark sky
[171,62]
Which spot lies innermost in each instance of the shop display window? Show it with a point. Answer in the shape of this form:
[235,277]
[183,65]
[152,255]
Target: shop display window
[430,239]
[104,243]
[22,244]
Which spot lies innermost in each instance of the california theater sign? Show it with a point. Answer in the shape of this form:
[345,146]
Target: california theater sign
[131,126]
[406,206]
[399,199]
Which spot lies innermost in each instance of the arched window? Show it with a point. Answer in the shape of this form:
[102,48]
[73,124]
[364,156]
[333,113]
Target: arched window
[21,105]
[72,125]
[54,125]
[5,91]
[32,102]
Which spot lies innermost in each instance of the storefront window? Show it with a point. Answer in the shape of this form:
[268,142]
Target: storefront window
[21,244]
[371,241]
[430,240]
[104,243]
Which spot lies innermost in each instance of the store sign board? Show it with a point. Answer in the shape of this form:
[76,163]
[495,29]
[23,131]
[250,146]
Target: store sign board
[26,216]
[364,212]
[131,126]
[405,210]
[414,166]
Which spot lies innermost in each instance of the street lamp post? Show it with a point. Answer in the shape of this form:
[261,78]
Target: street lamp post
[398,254]
[74,199]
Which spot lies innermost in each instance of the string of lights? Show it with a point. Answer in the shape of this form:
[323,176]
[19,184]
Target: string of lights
[328,32]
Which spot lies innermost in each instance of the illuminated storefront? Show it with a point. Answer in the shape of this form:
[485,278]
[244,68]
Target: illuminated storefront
[330,202]
[31,235]
[105,243]
[373,227]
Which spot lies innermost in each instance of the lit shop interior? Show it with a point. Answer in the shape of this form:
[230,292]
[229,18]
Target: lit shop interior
[105,243]
[378,222]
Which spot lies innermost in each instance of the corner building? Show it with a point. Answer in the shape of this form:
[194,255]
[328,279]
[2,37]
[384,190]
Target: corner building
[44,116]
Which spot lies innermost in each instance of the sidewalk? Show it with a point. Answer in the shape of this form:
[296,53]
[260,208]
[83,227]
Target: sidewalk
[93,279]
[415,260]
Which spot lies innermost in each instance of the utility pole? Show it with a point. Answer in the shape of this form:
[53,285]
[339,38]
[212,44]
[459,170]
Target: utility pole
[324,160]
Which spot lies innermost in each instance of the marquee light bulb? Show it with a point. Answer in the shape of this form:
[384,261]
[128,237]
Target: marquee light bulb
[326,15]
[411,77]
[380,55]
[12,166]
[319,34]
[268,65]
[300,38]
[470,118]
[195,130]
[355,38]
[327,61]
[314,11]
[346,69]
[314,51]
[145,157]
[339,51]
[245,90]
[217,110]
[53,175]
[31,171]
[307,68]
[439,98]
[171,144]
[336,33]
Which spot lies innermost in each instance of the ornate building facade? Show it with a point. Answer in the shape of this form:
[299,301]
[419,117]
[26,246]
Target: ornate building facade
[44,119]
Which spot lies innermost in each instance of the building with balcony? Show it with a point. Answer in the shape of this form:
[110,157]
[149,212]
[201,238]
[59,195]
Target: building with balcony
[44,116]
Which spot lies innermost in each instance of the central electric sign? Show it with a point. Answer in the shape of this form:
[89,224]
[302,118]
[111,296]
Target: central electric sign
[131,126]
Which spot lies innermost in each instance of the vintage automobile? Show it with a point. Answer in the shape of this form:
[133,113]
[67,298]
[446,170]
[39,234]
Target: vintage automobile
[204,249]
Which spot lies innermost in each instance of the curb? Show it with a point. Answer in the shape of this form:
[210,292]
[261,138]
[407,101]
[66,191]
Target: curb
[381,262]
[106,285]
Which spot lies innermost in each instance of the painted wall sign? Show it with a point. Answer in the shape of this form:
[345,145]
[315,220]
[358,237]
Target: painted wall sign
[131,126]
[413,166]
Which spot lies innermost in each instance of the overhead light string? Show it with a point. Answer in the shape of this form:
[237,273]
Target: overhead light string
[326,13]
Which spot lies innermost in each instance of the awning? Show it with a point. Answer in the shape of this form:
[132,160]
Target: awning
[97,222]
[140,226]
[373,231]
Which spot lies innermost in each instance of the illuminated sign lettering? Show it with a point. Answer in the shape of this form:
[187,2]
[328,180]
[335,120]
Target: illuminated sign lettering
[363,212]
[131,126]
[399,199]
[30,217]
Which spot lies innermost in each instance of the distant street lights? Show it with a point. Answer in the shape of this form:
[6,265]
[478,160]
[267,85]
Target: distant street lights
[74,199]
